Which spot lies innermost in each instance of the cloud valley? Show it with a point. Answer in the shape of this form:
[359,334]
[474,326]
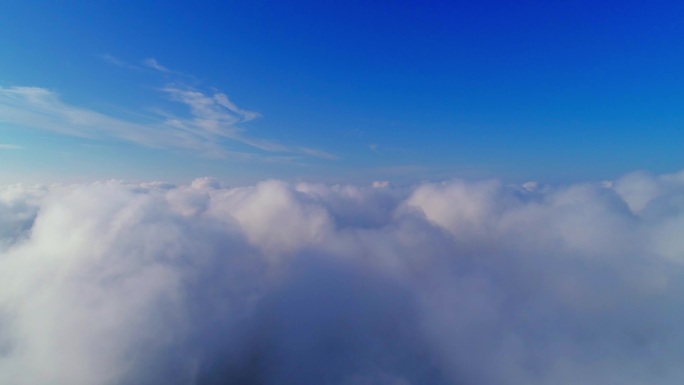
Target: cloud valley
[461,282]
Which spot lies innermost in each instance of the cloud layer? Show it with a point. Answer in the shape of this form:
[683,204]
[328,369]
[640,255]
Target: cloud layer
[443,283]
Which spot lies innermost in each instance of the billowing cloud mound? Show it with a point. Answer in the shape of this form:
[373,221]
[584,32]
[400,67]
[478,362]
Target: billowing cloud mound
[453,283]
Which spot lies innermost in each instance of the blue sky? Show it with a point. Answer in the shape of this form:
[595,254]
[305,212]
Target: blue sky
[340,92]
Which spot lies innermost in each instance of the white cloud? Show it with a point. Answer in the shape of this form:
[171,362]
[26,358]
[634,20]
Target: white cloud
[213,119]
[455,282]
[318,153]
[152,63]
[10,147]
[113,60]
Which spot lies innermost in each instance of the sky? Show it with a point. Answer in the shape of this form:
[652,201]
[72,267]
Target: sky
[340,92]
[342,193]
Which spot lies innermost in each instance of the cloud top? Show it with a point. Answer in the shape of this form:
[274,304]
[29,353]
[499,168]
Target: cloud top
[455,282]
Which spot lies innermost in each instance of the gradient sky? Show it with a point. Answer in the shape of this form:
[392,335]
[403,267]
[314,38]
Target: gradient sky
[349,91]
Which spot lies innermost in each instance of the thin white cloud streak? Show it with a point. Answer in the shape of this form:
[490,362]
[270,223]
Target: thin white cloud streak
[456,282]
[152,63]
[10,147]
[213,120]
[40,108]
[113,60]
[318,153]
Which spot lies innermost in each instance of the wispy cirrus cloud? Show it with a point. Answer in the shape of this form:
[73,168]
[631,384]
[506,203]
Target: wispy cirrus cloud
[152,63]
[210,126]
[36,107]
[4,146]
[318,153]
[113,60]
[145,64]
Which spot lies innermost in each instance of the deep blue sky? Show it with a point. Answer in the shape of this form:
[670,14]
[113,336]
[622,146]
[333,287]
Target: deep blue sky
[342,91]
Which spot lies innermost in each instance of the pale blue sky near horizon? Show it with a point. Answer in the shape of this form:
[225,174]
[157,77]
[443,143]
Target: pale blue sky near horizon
[340,92]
